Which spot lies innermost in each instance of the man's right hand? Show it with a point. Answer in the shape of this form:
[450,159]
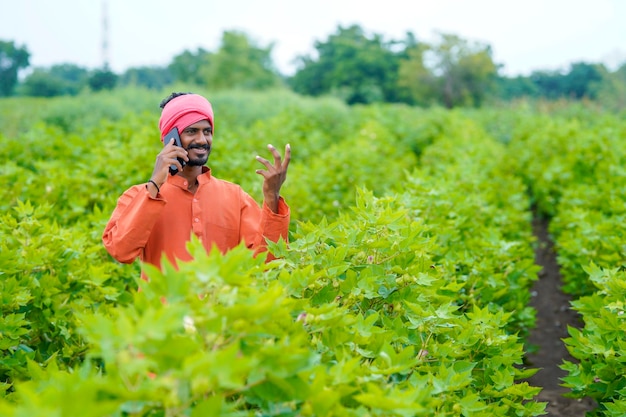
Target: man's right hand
[168,156]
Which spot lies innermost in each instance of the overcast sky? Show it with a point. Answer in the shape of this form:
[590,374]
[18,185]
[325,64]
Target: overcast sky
[524,35]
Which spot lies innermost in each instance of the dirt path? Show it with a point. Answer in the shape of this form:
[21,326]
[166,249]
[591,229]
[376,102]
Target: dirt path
[553,316]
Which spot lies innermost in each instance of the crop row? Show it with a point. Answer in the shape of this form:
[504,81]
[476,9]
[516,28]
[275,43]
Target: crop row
[404,289]
[577,175]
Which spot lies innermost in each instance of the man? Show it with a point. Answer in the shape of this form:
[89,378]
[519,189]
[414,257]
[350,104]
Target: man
[157,218]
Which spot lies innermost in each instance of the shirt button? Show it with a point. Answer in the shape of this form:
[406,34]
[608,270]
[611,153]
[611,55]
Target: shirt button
[196,220]
[185,183]
[195,200]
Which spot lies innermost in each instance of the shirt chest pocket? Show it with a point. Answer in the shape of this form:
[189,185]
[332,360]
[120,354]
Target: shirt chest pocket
[219,226]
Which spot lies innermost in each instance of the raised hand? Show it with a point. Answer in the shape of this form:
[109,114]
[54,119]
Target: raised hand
[274,175]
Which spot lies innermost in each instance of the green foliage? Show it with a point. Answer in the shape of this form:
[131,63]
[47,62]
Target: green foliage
[58,80]
[236,112]
[49,273]
[575,171]
[65,79]
[155,78]
[584,82]
[321,332]
[599,347]
[452,72]
[581,81]
[351,65]
[186,66]
[612,90]
[41,84]
[362,159]
[102,79]
[511,88]
[82,113]
[412,128]
[12,59]
[409,298]
[239,64]
[479,213]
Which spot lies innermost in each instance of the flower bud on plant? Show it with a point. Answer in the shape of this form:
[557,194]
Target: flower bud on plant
[189,325]
[422,354]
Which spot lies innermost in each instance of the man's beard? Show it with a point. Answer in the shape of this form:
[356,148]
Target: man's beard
[198,162]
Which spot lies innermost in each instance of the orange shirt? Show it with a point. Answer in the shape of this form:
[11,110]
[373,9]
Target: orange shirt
[219,213]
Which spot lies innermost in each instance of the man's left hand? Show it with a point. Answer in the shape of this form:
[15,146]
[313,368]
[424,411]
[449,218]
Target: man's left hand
[274,176]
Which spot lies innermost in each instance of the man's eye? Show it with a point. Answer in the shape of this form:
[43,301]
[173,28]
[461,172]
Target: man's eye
[208,131]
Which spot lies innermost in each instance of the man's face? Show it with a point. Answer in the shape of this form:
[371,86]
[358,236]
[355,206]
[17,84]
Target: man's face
[197,139]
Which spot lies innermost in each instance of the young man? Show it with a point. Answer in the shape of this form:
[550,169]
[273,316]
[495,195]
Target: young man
[157,218]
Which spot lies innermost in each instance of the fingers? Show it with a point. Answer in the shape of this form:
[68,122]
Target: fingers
[267,163]
[171,151]
[275,153]
[176,163]
[167,157]
[276,174]
[264,162]
[287,156]
[278,161]
[177,150]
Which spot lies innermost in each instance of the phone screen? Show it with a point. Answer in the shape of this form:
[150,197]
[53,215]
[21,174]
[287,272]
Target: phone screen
[174,134]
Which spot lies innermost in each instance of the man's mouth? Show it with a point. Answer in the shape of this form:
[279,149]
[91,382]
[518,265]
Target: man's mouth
[199,148]
[199,156]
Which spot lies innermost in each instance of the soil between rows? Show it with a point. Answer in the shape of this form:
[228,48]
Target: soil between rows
[554,314]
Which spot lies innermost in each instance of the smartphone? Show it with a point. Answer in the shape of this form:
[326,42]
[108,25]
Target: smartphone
[174,134]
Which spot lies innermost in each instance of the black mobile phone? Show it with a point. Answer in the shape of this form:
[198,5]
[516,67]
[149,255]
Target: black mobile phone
[174,134]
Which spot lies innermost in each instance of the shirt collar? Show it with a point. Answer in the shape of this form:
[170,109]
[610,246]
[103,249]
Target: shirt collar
[205,176]
[181,182]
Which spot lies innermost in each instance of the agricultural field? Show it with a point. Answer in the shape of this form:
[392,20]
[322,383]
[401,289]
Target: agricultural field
[405,288]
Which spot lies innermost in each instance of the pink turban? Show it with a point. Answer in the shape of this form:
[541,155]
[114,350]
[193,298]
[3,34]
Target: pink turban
[183,111]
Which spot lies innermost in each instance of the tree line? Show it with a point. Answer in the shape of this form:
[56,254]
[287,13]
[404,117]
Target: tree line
[357,66]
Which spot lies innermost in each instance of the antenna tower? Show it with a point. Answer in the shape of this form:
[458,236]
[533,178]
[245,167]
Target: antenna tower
[105,35]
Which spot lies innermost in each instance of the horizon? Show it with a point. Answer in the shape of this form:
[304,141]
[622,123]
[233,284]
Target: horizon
[130,34]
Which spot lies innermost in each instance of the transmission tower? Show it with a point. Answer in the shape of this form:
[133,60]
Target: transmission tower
[105,35]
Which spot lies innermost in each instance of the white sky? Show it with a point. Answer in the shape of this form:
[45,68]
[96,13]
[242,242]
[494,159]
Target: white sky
[524,35]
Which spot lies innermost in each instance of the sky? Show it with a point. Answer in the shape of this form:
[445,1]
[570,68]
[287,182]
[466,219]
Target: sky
[524,36]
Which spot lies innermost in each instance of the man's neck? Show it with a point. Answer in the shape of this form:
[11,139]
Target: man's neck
[191,173]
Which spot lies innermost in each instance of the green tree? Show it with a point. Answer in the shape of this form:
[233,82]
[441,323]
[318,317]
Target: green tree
[457,72]
[239,63]
[612,90]
[71,73]
[12,59]
[40,83]
[550,84]
[102,79]
[583,80]
[149,77]
[349,64]
[187,66]
[416,79]
[509,88]
[61,79]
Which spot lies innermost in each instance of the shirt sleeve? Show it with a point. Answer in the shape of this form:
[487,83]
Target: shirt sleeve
[266,225]
[131,223]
